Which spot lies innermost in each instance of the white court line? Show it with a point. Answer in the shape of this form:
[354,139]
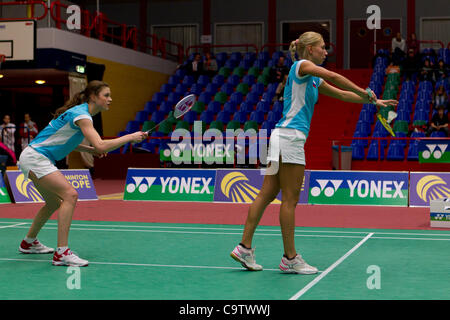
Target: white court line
[276,229]
[13,225]
[329,269]
[142,264]
[232,233]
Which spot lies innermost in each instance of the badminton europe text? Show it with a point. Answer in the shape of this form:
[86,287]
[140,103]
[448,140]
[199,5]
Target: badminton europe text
[226,310]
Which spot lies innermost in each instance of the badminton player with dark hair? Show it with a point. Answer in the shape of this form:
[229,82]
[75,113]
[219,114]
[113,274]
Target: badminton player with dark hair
[71,124]
[286,154]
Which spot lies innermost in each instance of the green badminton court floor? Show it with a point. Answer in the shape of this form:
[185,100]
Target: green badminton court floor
[154,261]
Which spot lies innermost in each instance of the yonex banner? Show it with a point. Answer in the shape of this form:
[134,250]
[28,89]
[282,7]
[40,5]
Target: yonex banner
[434,151]
[170,184]
[426,186]
[242,186]
[4,196]
[358,188]
[25,191]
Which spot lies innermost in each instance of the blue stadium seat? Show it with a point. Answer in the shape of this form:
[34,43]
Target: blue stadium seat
[181,89]
[227,88]
[204,97]
[236,55]
[158,97]
[188,80]
[196,89]
[278,107]
[420,115]
[211,88]
[231,64]
[174,97]
[240,116]
[404,116]
[260,64]
[166,107]
[246,107]
[150,106]
[218,80]
[221,57]
[141,116]
[269,126]
[207,116]
[190,117]
[224,117]
[366,116]
[363,127]
[249,79]
[203,80]
[237,97]
[273,116]
[230,107]
[234,80]
[395,152]
[157,116]
[438,134]
[214,107]
[133,126]
[381,134]
[403,143]
[174,80]
[166,89]
[180,73]
[263,55]
[263,106]
[258,88]
[372,153]
[413,151]
[257,116]
[246,64]
[360,142]
[252,98]
[357,152]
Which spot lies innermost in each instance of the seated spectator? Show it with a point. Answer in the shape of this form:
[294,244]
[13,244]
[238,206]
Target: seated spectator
[413,44]
[8,130]
[195,67]
[439,122]
[398,49]
[441,71]
[427,72]
[279,93]
[28,130]
[210,65]
[411,64]
[278,71]
[441,98]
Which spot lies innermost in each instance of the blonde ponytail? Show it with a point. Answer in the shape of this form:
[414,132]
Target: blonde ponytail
[300,45]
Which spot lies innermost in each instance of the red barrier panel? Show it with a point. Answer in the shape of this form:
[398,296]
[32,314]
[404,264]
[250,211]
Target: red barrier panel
[32,3]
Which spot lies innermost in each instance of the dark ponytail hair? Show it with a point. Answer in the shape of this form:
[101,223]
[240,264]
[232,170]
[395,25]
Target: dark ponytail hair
[93,87]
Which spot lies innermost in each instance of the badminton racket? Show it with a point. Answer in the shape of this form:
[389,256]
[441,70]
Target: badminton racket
[382,120]
[183,106]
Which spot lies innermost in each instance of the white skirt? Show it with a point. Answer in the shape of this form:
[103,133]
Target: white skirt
[32,160]
[289,143]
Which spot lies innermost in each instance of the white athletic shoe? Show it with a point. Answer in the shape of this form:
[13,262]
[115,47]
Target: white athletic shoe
[246,257]
[68,258]
[34,247]
[296,265]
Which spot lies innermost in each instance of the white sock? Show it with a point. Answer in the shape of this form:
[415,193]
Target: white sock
[29,240]
[60,250]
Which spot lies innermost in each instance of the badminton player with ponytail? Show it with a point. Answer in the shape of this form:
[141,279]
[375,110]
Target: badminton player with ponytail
[286,154]
[71,124]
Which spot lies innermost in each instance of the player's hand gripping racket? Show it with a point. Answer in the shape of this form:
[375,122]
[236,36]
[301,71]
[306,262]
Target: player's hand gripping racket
[183,106]
[383,121]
